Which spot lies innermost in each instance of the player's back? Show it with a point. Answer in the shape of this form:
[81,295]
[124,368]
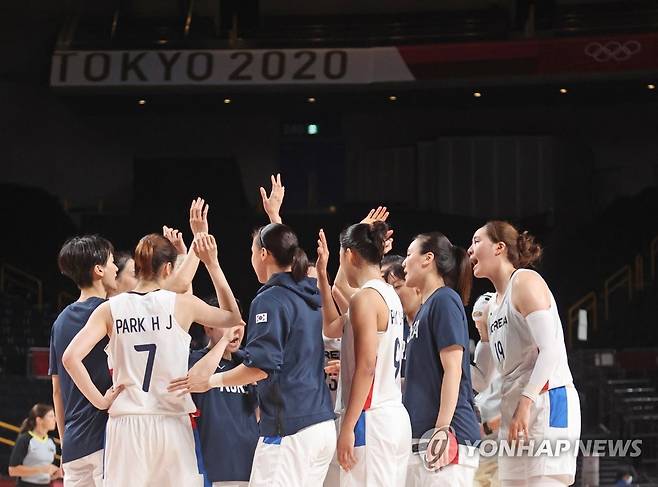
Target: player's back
[148,349]
[385,389]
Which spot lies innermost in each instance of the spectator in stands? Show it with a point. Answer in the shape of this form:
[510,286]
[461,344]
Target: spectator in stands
[624,478]
[89,262]
[34,453]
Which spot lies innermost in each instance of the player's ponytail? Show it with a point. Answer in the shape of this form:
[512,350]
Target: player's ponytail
[280,241]
[367,240]
[450,262]
[37,411]
[152,252]
[299,264]
[522,249]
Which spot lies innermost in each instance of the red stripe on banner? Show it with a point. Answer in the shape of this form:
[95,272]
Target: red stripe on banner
[631,52]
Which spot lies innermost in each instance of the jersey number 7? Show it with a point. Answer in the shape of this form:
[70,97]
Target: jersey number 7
[150,348]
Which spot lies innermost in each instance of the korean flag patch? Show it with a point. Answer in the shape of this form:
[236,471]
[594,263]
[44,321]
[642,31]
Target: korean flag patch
[261,318]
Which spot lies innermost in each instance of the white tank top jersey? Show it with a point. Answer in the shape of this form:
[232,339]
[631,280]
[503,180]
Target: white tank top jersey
[385,388]
[331,352]
[514,348]
[147,349]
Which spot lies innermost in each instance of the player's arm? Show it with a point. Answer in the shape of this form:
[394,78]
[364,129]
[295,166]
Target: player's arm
[341,301]
[451,360]
[364,323]
[191,309]
[532,299]
[343,290]
[272,203]
[93,332]
[332,321]
[181,279]
[200,382]
[58,404]
[483,370]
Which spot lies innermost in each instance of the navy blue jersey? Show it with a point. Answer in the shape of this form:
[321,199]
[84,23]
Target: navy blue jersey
[84,425]
[284,338]
[227,425]
[440,323]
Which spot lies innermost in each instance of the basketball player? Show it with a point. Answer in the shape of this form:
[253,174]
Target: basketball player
[89,262]
[375,434]
[487,401]
[438,393]
[227,425]
[284,356]
[526,342]
[149,439]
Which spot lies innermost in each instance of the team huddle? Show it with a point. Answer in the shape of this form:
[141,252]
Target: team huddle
[363,380]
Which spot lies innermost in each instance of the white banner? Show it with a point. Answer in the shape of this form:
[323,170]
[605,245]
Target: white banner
[227,68]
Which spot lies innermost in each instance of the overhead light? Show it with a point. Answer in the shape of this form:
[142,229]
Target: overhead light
[651,86]
[477,94]
[393,98]
[227,101]
[563,91]
[310,99]
[142,102]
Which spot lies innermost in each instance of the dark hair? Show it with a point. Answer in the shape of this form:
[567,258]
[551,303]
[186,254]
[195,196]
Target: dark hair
[451,262]
[391,259]
[37,411]
[121,258]
[280,241]
[395,270]
[522,250]
[79,255]
[367,240]
[213,301]
[152,252]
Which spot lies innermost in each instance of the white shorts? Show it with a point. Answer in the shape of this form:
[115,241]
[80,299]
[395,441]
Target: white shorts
[230,483]
[151,450]
[84,472]
[459,474]
[382,449]
[554,417]
[298,460]
[333,473]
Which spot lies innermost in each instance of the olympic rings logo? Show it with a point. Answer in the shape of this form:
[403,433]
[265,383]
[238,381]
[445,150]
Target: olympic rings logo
[612,51]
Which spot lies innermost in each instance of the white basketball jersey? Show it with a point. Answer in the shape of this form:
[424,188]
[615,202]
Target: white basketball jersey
[385,388]
[331,352]
[147,349]
[514,349]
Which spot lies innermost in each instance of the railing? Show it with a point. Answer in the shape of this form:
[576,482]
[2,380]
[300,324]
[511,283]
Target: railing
[627,277]
[14,275]
[588,303]
[622,278]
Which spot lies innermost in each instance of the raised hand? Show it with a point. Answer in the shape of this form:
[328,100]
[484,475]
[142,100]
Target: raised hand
[388,242]
[272,203]
[199,216]
[205,248]
[376,215]
[323,254]
[176,238]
